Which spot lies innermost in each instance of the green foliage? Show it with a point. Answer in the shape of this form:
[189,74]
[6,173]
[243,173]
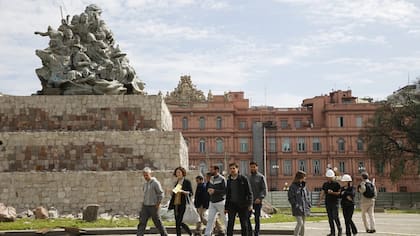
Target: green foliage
[392,135]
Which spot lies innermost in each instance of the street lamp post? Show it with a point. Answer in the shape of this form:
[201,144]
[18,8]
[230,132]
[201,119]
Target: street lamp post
[269,125]
[361,168]
[265,151]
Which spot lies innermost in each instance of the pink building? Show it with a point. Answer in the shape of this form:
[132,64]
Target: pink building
[322,133]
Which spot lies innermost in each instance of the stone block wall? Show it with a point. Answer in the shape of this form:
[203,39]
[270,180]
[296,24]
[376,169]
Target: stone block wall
[92,150]
[70,151]
[69,192]
[83,113]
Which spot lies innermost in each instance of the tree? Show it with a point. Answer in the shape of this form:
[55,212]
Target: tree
[392,136]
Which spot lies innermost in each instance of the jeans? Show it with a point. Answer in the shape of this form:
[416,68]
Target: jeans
[257,216]
[300,226]
[150,212]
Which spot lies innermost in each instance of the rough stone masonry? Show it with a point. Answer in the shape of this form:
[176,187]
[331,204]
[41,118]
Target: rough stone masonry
[53,153]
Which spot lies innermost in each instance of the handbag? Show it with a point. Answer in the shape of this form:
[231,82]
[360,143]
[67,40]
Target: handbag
[191,215]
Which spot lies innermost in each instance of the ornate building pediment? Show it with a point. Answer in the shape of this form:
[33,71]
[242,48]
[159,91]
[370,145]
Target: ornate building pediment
[185,93]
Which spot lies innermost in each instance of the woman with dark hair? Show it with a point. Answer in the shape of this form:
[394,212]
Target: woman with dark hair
[347,194]
[300,202]
[182,189]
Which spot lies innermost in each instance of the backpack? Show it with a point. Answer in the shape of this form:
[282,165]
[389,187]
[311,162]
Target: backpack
[370,190]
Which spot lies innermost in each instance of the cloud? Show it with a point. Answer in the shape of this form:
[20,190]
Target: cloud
[364,11]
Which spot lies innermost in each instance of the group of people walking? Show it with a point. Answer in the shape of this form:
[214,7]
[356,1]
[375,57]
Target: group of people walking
[241,195]
[236,195]
[332,191]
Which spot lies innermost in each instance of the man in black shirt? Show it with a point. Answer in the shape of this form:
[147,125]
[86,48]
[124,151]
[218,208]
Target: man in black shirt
[331,192]
[238,200]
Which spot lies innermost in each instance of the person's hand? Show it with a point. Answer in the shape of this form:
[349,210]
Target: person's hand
[330,191]
[210,191]
[226,211]
[257,201]
[185,192]
[158,205]
[249,208]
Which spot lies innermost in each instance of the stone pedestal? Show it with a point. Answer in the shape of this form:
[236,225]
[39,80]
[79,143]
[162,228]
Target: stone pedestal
[87,134]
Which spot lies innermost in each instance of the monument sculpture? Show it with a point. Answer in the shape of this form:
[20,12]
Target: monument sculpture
[82,59]
[79,150]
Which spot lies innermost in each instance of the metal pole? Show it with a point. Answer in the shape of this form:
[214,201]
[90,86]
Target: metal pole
[265,152]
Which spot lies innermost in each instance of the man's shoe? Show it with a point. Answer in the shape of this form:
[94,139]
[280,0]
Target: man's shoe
[340,230]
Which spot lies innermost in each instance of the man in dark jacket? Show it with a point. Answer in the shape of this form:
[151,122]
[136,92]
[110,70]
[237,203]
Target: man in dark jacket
[201,202]
[238,200]
[259,190]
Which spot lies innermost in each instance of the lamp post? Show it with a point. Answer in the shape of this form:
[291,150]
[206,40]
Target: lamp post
[264,151]
[361,168]
[274,167]
[266,125]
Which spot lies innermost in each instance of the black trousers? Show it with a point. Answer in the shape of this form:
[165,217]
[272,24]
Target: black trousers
[257,215]
[179,211]
[332,211]
[243,214]
[348,221]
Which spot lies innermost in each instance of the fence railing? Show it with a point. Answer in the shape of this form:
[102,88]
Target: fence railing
[384,200]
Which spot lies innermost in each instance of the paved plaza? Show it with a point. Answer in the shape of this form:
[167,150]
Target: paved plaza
[387,224]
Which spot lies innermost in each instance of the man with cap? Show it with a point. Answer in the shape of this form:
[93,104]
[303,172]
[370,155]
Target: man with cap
[367,204]
[331,193]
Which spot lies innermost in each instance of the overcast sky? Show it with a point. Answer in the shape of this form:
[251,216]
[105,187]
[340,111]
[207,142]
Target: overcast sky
[278,52]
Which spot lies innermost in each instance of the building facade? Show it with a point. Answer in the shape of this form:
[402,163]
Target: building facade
[322,133]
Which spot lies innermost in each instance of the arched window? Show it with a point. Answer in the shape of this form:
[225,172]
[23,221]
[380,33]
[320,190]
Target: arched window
[184,123]
[202,123]
[219,145]
[360,145]
[203,168]
[341,145]
[202,146]
[219,122]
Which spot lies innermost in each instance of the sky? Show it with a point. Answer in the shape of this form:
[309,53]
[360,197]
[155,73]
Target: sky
[278,52]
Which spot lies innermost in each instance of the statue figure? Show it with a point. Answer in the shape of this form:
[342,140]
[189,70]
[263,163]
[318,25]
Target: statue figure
[209,96]
[81,59]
